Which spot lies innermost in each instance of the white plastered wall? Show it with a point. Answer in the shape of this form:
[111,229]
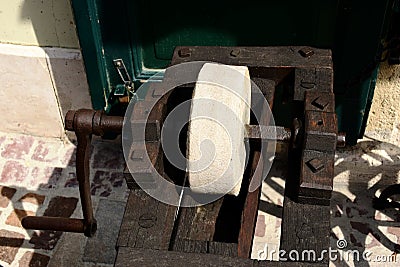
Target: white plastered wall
[41,69]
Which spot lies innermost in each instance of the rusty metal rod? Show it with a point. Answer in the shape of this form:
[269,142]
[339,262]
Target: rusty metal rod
[281,134]
[84,122]
[82,175]
[54,224]
[267,132]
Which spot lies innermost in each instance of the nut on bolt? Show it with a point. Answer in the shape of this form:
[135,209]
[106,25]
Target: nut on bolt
[235,52]
[320,103]
[315,165]
[184,52]
[306,52]
[341,140]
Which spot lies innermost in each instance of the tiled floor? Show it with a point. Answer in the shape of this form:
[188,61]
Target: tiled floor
[360,173]
[38,177]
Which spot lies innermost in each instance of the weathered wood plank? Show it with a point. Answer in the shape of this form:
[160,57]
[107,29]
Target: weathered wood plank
[190,246]
[145,257]
[270,62]
[320,131]
[224,249]
[319,101]
[316,175]
[250,208]
[198,223]
[201,246]
[317,159]
[266,57]
[315,78]
[135,257]
[150,227]
[249,214]
[305,227]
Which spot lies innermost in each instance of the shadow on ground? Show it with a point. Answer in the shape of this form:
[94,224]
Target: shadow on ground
[361,173]
[58,196]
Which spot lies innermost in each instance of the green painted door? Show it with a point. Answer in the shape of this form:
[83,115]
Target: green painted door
[144,34]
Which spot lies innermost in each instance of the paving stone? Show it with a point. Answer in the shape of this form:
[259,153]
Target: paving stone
[55,176]
[108,156]
[50,178]
[46,152]
[14,172]
[58,207]
[19,148]
[260,226]
[9,244]
[33,259]
[61,206]
[69,158]
[2,139]
[69,251]
[33,198]
[37,176]
[15,217]
[101,247]
[6,193]
[72,181]
[117,179]
[104,182]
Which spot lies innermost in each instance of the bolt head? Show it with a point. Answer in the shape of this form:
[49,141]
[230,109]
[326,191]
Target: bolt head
[306,52]
[341,140]
[147,220]
[137,155]
[184,52]
[235,52]
[315,165]
[320,103]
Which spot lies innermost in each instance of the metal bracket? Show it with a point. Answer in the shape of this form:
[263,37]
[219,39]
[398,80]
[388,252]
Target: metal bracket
[125,77]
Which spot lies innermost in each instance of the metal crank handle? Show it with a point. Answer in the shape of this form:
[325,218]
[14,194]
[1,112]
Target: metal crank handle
[84,123]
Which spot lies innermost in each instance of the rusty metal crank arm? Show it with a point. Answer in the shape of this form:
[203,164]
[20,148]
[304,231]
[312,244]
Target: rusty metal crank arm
[84,122]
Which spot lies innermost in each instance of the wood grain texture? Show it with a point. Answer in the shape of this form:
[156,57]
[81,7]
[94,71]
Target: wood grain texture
[260,57]
[305,227]
[147,223]
[319,78]
[142,257]
[249,214]
[320,131]
[198,223]
[250,208]
[319,101]
[316,183]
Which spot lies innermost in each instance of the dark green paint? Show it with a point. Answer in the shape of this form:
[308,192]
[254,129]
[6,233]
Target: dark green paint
[144,34]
